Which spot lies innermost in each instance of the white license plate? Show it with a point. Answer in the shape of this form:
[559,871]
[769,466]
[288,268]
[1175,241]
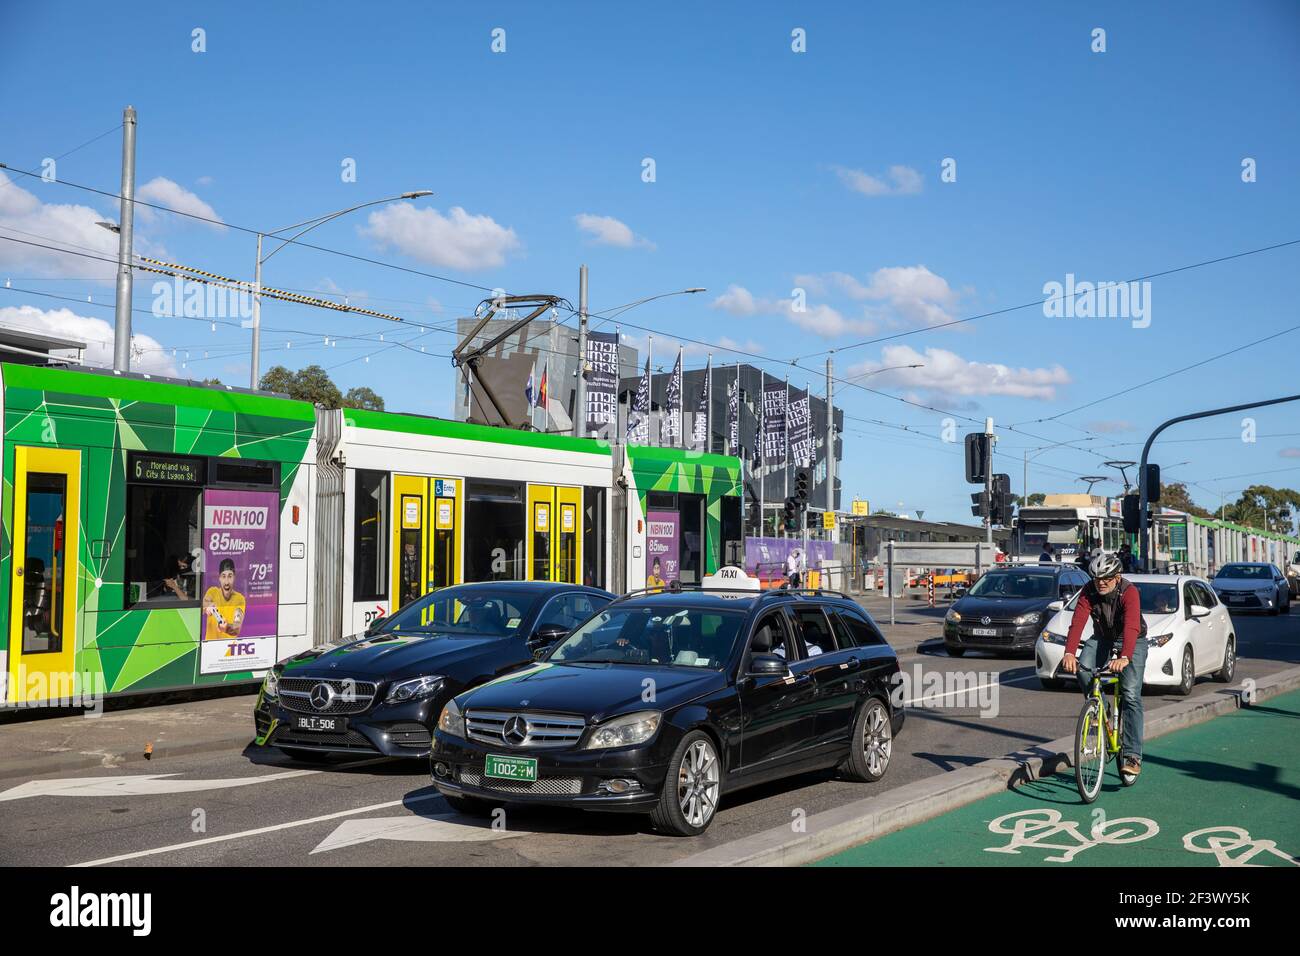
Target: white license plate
[984,631]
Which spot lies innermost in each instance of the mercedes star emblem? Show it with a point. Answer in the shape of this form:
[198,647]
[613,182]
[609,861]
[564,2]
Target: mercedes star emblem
[515,731]
[322,695]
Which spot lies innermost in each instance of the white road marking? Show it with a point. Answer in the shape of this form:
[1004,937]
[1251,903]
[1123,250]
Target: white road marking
[208,841]
[443,828]
[974,688]
[145,784]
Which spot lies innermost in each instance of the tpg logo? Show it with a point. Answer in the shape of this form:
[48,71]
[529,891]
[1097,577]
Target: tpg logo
[240,649]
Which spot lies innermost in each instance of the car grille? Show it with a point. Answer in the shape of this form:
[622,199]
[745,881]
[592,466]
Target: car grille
[1240,599]
[542,730]
[548,786]
[413,736]
[350,740]
[350,697]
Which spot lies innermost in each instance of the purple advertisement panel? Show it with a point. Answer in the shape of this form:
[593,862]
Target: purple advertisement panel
[240,580]
[662,548]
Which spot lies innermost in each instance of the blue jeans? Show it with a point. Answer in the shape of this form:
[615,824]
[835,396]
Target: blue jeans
[1130,688]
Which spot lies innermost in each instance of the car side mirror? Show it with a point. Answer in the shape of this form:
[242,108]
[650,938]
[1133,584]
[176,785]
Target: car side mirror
[768,665]
[548,634]
[1056,606]
[1199,611]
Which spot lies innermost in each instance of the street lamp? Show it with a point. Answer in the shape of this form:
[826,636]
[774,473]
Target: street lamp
[309,225]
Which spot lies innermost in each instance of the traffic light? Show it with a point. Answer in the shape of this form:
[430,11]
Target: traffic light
[1132,513]
[802,485]
[1001,503]
[788,514]
[980,504]
[977,457]
[1153,484]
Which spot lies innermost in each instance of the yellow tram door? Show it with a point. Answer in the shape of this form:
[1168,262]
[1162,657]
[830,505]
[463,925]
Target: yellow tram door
[425,540]
[45,569]
[555,538]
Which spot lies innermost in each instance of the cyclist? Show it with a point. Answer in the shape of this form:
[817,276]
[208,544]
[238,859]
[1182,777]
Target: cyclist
[1116,612]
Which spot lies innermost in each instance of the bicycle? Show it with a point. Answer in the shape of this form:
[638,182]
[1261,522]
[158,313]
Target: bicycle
[1098,734]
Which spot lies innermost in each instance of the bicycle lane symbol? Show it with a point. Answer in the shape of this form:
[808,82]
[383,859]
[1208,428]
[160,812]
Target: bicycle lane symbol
[1223,841]
[1031,829]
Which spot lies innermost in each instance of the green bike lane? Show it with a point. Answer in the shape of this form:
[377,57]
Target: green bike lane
[1222,793]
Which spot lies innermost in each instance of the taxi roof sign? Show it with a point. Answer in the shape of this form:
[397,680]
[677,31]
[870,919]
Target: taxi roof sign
[730,578]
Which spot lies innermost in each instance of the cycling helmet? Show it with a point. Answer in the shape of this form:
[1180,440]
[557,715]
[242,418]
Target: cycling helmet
[1105,565]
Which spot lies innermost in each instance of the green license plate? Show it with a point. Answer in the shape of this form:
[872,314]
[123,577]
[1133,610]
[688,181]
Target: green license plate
[511,768]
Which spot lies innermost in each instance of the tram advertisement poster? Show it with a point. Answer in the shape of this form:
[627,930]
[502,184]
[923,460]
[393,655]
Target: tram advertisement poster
[663,548]
[240,580]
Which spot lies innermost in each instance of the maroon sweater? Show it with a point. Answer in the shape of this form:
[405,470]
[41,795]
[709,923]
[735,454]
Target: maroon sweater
[1132,607]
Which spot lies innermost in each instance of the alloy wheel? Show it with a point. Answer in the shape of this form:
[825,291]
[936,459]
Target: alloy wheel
[698,783]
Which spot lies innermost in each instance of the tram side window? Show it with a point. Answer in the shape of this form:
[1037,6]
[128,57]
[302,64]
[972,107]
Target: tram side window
[163,544]
[495,524]
[370,537]
[593,537]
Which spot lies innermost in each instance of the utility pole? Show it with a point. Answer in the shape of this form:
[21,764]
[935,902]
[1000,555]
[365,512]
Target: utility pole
[988,480]
[830,435]
[125,254]
[580,395]
[254,371]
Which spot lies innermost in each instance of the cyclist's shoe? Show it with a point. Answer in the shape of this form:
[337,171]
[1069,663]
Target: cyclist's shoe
[1131,766]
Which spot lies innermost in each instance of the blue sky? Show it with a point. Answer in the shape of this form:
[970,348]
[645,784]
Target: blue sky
[774,170]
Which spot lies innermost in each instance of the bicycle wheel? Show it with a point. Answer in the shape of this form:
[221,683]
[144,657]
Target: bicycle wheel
[1089,751]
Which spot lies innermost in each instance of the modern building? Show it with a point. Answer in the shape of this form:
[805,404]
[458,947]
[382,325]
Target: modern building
[555,350]
[30,347]
[771,483]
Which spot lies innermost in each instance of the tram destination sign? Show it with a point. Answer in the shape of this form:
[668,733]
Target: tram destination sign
[166,469]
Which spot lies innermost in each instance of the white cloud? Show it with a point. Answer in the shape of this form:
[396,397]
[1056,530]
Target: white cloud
[204,181]
[737,300]
[164,192]
[608,231]
[946,373]
[906,181]
[911,292]
[457,240]
[1110,426]
[148,354]
[820,319]
[23,216]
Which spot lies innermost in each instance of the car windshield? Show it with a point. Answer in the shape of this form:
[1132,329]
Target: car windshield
[491,612]
[1254,571]
[1013,584]
[689,637]
[1153,597]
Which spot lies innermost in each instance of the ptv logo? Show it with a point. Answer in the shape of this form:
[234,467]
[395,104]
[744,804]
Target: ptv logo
[240,649]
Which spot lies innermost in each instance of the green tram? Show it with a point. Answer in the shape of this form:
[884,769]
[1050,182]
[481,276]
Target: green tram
[160,535]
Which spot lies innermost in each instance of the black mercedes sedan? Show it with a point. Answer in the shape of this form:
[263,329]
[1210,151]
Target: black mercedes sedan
[1007,607]
[664,703]
[381,693]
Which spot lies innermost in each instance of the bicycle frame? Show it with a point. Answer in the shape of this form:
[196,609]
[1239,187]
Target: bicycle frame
[1111,733]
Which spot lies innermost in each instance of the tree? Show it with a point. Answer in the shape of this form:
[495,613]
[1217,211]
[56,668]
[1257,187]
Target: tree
[1261,506]
[1175,495]
[363,397]
[1035,499]
[313,384]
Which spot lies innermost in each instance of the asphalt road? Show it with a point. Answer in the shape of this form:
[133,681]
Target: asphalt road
[249,806]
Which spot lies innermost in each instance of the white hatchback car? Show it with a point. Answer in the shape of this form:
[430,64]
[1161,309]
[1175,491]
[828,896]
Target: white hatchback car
[1189,634]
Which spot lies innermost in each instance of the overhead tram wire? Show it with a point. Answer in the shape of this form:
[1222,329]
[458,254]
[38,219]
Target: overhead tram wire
[1041,302]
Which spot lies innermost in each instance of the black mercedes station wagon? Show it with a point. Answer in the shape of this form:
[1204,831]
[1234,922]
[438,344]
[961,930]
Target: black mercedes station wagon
[661,703]
[380,694]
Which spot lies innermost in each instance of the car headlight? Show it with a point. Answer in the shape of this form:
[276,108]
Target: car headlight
[270,685]
[417,688]
[952,617]
[1159,640]
[1032,617]
[625,731]
[1050,638]
[451,721]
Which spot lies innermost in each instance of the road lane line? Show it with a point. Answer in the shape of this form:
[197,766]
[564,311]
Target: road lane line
[967,690]
[207,841]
